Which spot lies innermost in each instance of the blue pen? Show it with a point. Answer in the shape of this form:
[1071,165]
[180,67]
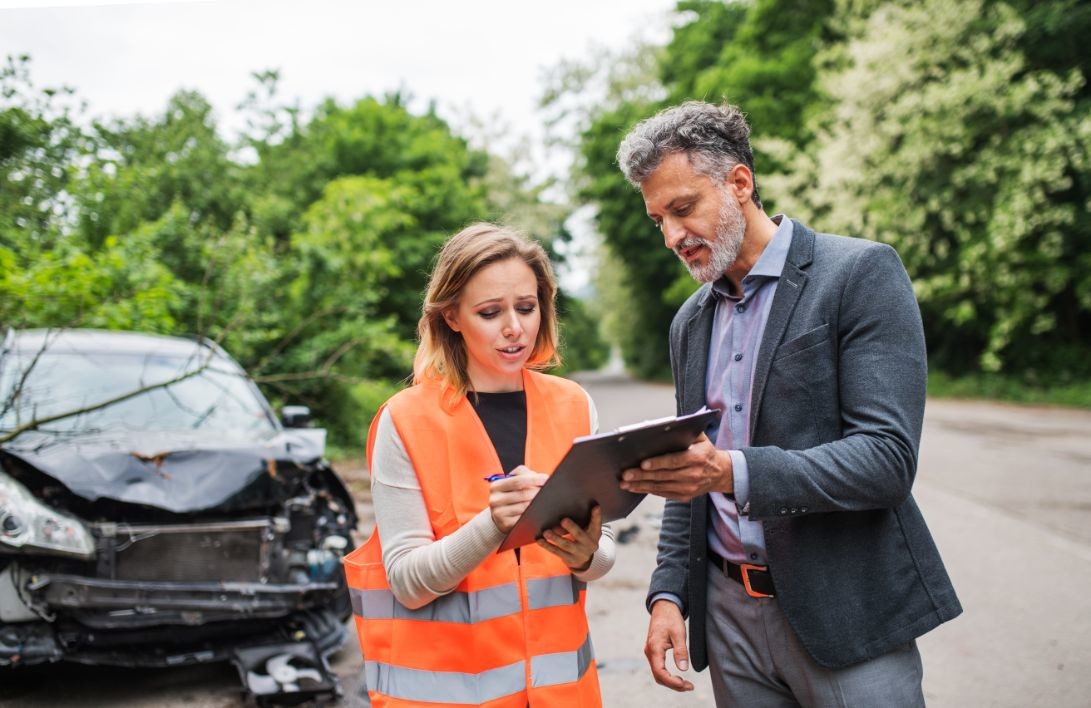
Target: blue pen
[494,477]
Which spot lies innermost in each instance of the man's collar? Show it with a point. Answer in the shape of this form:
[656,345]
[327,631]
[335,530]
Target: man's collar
[771,261]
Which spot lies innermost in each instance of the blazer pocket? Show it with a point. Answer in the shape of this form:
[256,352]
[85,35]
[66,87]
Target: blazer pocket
[804,341]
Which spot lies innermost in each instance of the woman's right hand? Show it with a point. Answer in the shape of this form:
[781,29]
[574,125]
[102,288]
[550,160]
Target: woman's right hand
[510,496]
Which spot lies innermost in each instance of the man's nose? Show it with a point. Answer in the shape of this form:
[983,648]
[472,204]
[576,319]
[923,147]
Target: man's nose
[673,233]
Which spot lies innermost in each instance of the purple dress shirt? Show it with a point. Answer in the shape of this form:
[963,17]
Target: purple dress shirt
[737,328]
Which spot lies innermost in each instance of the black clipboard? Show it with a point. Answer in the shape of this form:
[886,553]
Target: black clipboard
[590,473]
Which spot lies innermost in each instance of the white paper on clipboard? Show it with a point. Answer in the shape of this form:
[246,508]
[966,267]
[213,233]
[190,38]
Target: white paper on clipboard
[590,474]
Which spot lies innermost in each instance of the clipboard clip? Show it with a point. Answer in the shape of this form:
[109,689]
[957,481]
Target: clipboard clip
[645,424]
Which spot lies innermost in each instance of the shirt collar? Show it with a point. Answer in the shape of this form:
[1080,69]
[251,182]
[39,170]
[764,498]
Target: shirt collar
[770,263]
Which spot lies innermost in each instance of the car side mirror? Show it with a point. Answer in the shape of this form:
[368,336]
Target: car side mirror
[295,416]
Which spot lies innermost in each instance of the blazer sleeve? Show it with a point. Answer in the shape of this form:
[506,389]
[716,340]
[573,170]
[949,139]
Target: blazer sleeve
[672,562]
[881,376]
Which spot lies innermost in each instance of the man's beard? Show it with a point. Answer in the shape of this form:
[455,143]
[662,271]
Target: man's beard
[722,251]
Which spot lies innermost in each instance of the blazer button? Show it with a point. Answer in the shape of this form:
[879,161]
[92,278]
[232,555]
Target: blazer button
[803,510]
[793,510]
[783,510]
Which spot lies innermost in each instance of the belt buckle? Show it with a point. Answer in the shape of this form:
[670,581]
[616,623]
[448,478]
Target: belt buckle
[746,568]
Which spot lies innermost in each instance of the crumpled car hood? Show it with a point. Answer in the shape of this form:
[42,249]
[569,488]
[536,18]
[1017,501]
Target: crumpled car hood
[177,473]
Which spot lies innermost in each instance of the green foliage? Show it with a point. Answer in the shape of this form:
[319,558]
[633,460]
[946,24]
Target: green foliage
[424,180]
[650,269]
[39,140]
[139,169]
[956,131]
[118,287]
[758,55]
[763,61]
[1076,393]
[305,248]
[582,346]
[977,167]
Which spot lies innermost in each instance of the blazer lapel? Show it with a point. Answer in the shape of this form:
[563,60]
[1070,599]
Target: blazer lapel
[789,288]
[695,356]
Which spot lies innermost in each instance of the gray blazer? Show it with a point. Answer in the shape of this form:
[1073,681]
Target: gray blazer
[837,404]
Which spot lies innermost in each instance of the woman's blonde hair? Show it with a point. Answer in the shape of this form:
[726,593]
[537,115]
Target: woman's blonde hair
[441,354]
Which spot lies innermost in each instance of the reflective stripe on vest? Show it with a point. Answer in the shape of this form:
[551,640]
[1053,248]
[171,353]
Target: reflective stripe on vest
[473,689]
[562,667]
[470,607]
[445,686]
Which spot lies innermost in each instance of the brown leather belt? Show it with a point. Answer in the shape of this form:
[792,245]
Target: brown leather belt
[755,579]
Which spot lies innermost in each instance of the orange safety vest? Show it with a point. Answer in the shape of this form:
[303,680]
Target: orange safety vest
[514,631]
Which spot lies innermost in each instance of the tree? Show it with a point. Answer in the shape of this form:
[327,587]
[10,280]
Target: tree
[305,247]
[39,139]
[943,142]
[757,55]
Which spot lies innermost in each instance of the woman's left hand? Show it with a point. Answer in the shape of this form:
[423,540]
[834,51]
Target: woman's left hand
[573,545]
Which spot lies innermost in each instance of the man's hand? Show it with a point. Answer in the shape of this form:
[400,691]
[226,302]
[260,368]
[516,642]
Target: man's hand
[667,630]
[510,496]
[681,476]
[573,545]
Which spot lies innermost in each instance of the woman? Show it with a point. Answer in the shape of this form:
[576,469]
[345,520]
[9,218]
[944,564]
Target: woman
[455,459]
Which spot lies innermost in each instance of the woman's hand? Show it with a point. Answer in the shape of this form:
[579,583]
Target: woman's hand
[573,545]
[509,496]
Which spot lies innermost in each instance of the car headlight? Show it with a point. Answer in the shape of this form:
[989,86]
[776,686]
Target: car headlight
[26,523]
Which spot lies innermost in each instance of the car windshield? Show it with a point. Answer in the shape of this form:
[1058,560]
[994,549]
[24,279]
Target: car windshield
[219,398]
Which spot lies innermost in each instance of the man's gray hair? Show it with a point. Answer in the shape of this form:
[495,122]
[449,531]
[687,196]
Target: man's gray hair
[714,138]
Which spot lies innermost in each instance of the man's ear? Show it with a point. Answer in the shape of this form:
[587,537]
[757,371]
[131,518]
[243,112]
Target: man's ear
[451,318]
[740,181]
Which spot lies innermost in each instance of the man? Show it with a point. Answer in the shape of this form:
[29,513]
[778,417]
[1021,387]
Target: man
[789,538]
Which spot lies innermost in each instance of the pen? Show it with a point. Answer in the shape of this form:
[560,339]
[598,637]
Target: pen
[494,477]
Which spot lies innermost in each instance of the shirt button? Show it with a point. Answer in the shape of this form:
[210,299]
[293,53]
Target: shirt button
[753,556]
[738,406]
[740,307]
[738,357]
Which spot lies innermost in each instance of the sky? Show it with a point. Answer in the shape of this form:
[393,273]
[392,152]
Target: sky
[480,58]
[487,56]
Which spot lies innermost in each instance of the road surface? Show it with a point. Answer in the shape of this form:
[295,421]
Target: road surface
[1006,491]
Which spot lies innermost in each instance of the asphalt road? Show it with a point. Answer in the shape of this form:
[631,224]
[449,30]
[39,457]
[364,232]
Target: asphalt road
[1006,491]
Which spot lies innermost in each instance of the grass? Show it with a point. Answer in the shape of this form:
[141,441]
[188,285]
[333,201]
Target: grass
[997,387]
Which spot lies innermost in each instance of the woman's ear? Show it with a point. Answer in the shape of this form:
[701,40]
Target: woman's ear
[451,318]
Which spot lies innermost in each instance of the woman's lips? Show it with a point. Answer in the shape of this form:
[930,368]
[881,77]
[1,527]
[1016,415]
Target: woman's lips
[512,352]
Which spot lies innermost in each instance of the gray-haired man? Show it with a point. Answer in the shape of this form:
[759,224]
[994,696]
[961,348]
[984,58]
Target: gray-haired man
[789,537]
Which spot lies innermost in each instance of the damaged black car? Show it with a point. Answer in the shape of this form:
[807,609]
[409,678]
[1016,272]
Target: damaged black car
[155,511]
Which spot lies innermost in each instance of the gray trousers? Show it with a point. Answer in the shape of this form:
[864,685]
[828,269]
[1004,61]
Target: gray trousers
[756,660]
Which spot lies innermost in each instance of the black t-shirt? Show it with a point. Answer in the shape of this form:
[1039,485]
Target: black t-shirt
[504,416]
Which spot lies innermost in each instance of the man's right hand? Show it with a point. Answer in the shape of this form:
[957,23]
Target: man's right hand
[667,630]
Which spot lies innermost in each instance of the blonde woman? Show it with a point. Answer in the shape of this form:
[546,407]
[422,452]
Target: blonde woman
[455,459]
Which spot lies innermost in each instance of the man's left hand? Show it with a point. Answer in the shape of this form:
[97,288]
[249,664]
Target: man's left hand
[681,476]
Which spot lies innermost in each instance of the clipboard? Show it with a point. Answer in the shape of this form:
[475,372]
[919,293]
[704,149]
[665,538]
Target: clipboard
[590,474]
